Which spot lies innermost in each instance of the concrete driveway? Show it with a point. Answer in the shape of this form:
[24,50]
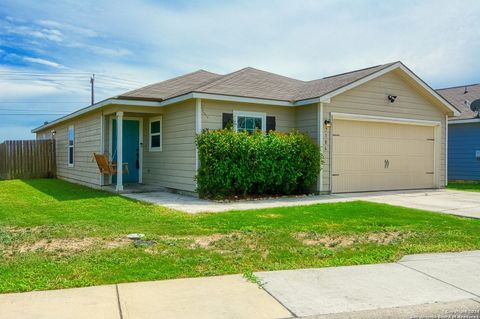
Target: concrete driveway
[453,202]
[443,201]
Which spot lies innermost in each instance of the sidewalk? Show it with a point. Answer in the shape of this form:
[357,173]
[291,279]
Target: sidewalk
[427,284]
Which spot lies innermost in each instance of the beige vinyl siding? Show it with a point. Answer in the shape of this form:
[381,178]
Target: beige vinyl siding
[87,141]
[174,166]
[306,120]
[371,99]
[212,113]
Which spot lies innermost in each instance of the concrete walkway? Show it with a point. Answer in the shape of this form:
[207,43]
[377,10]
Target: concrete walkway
[428,284]
[443,201]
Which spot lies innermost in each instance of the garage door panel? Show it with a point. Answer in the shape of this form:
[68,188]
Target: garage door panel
[376,164]
[381,156]
[380,146]
[384,130]
[374,182]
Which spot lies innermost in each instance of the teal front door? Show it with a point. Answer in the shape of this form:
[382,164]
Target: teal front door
[131,149]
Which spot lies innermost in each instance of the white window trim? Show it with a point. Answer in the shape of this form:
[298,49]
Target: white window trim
[261,115]
[71,146]
[155,119]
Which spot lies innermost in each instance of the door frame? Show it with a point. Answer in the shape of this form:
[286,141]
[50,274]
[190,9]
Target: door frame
[140,141]
[394,120]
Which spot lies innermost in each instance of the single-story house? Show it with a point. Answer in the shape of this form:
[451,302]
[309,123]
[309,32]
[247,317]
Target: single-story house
[379,128]
[463,133]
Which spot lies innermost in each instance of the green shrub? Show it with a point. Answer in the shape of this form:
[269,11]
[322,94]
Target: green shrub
[239,163]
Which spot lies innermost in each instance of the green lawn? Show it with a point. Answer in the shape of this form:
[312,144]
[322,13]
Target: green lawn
[465,186]
[55,234]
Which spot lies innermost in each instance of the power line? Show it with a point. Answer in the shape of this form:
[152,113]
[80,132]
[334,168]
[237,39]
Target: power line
[2,109]
[68,74]
[33,102]
[31,114]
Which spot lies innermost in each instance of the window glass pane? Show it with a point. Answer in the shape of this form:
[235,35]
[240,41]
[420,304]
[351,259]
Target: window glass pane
[240,123]
[258,123]
[155,127]
[70,155]
[70,135]
[250,123]
[155,141]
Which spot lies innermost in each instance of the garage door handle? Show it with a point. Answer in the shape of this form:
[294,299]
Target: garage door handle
[387,163]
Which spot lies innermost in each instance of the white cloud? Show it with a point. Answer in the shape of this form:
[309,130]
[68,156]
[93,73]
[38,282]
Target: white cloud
[44,33]
[43,62]
[68,28]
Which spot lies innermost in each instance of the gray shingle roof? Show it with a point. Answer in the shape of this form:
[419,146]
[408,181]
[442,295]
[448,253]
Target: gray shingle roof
[249,82]
[462,100]
[173,87]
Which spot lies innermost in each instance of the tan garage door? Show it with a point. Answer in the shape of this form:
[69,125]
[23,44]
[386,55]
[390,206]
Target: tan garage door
[369,156]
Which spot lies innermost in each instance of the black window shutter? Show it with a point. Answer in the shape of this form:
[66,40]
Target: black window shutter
[271,124]
[227,120]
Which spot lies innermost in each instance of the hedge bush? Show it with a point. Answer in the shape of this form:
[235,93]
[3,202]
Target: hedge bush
[240,163]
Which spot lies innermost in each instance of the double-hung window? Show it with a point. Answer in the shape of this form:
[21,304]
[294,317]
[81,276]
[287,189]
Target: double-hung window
[155,134]
[71,146]
[249,121]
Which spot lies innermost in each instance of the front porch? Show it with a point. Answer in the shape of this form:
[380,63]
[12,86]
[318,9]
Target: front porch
[133,188]
[125,140]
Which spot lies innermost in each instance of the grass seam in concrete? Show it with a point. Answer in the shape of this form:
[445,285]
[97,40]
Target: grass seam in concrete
[118,302]
[443,281]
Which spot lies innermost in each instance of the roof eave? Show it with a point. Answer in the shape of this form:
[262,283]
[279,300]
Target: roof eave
[94,107]
[464,121]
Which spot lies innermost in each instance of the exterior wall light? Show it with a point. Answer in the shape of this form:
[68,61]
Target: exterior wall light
[392,98]
[327,123]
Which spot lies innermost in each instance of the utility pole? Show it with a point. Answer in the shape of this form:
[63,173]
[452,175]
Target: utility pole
[92,81]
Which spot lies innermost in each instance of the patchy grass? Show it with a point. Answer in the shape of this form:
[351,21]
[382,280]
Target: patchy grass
[54,234]
[465,186]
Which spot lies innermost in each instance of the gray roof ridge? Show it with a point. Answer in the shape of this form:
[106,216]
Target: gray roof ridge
[220,80]
[170,79]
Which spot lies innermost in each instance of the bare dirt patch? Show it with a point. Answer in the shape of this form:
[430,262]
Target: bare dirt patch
[117,242]
[207,241]
[64,246]
[49,245]
[330,241]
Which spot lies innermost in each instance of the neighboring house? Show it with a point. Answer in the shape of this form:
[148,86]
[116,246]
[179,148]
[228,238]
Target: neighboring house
[380,128]
[463,133]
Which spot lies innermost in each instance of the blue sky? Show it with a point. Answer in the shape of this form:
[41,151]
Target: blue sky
[48,49]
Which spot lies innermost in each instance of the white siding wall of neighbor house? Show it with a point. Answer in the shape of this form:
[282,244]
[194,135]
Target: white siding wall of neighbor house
[174,166]
[371,99]
[87,141]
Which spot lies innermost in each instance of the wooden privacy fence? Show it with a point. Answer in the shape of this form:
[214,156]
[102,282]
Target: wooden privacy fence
[27,159]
